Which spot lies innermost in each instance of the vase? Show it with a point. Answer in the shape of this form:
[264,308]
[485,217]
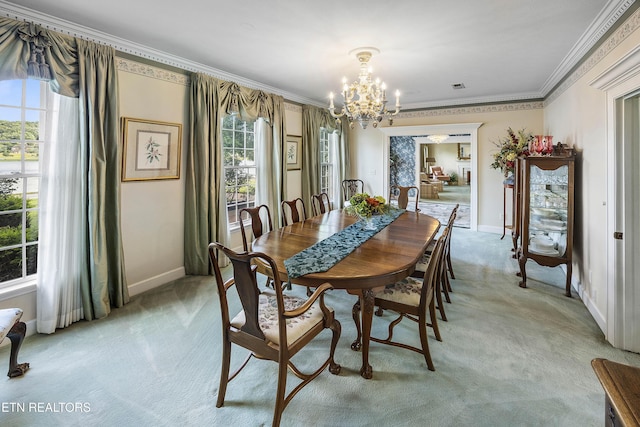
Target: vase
[367,223]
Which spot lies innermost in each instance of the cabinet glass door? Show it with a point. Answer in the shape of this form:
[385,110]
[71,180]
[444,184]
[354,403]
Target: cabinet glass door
[548,211]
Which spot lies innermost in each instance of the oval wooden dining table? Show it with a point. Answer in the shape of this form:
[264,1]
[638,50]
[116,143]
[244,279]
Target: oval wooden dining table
[388,256]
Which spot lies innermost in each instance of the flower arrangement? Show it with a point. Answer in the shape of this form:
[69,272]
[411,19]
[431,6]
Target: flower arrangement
[514,145]
[365,206]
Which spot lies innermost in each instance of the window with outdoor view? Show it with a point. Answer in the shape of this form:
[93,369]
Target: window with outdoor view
[326,164]
[238,151]
[22,118]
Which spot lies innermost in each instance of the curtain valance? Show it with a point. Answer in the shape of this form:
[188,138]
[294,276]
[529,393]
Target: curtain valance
[28,50]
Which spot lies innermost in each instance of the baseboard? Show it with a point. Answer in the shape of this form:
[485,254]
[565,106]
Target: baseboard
[491,229]
[154,282]
[591,306]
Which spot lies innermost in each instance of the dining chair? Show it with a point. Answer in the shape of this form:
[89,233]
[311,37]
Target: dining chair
[258,227]
[422,265]
[320,203]
[401,195]
[271,325]
[411,298]
[293,211]
[351,187]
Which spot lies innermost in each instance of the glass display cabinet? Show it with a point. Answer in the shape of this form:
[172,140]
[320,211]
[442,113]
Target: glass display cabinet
[545,211]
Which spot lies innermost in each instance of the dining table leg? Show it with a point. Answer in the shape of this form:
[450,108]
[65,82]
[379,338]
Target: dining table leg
[367,300]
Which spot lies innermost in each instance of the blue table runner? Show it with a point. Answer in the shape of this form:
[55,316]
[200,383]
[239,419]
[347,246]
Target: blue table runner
[328,252]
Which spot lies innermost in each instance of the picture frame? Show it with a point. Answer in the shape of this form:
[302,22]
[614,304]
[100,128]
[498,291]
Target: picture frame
[464,151]
[293,154]
[151,149]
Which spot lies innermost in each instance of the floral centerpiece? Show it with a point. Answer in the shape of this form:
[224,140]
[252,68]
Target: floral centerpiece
[365,206]
[510,147]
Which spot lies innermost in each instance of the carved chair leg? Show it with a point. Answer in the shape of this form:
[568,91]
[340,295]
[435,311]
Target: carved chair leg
[16,335]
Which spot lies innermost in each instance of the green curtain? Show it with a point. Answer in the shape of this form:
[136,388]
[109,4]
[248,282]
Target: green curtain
[84,70]
[205,216]
[99,132]
[314,118]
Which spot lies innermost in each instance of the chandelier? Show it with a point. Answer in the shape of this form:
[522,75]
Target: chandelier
[364,100]
[438,138]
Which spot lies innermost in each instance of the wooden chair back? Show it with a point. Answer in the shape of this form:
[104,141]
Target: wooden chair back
[402,194]
[351,187]
[258,228]
[293,211]
[447,246]
[320,203]
[265,334]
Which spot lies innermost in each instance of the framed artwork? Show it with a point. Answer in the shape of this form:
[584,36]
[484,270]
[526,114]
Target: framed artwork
[151,149]
[294,152]
[464,151]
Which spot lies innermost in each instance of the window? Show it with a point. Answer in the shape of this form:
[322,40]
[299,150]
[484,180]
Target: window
[238,151]
[22,119]
[326,164]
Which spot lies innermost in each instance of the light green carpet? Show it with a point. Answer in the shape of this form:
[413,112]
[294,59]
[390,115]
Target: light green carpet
[509,357]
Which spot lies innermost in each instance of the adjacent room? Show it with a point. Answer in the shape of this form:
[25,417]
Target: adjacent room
[325,214]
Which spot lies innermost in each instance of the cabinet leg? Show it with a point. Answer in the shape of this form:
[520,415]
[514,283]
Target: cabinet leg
[568,285]
[522,261]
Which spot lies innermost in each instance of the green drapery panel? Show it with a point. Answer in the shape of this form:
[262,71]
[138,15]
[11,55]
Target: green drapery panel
[99,132]
[87,71]
[205,218]
[314,118]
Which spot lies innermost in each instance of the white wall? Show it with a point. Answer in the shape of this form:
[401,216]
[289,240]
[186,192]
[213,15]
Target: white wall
[153,211]
[577,113]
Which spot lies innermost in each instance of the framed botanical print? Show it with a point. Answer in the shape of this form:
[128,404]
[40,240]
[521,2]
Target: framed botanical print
[293,154]
[151,149]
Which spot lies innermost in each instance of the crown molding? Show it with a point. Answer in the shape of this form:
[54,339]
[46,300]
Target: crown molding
[618,36]
[21,13]
[472,101]
[609,15]
[612,11]
[471,109]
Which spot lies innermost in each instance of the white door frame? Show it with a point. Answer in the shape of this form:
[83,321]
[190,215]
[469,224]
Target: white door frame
[424,130]
[619,81]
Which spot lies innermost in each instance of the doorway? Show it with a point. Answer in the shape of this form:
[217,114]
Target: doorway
[621,82]
[449,129]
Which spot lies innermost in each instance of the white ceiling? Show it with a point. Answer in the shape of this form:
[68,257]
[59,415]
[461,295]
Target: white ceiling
[501,50]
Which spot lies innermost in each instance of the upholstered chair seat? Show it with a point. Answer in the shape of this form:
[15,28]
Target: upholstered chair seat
[406,291]
[268,318]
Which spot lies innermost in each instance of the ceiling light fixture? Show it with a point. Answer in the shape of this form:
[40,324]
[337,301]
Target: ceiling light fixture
[438,138]
[364,100]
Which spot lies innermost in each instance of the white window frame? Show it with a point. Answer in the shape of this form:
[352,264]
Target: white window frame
[249,167]
[327,163]
[26,177]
